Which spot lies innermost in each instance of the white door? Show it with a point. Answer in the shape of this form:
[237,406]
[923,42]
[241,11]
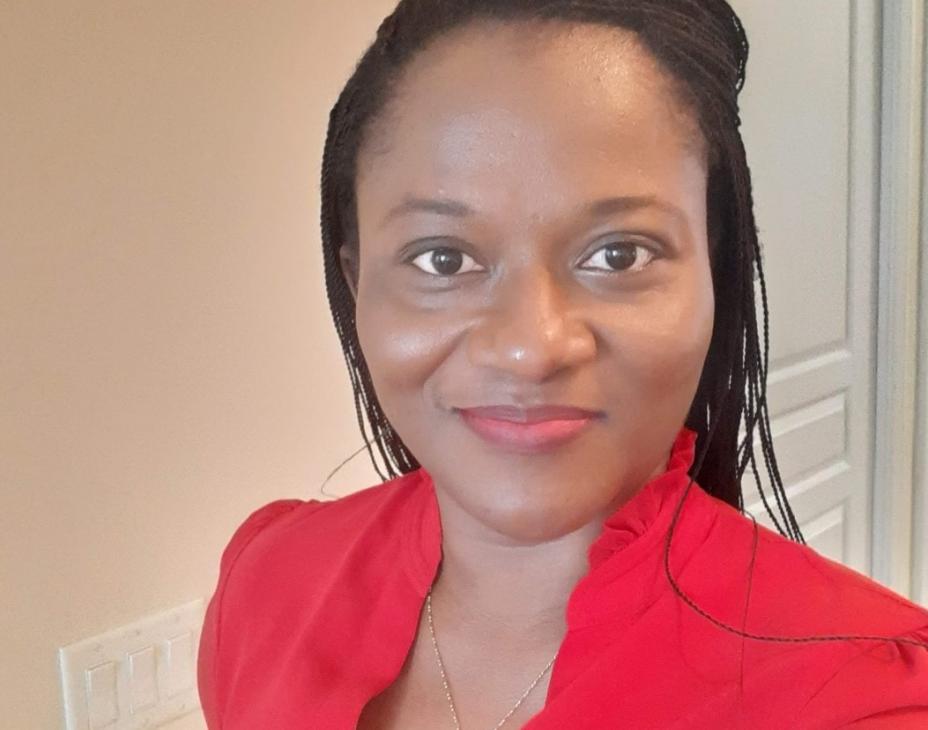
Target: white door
[810,124]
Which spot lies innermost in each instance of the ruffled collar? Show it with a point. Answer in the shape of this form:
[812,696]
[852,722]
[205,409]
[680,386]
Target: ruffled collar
[639,513]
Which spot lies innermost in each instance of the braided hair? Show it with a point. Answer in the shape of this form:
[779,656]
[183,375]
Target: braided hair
[703,46]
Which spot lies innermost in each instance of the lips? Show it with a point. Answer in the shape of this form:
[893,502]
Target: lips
[527,430]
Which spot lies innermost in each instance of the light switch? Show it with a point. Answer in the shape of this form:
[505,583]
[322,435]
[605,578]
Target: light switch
[143,682]
[180,660]
[102,699]
[119,680]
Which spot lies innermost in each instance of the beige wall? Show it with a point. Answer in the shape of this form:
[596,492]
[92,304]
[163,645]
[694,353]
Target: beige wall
[167,363]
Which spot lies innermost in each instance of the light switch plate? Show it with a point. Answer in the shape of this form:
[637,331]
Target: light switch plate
[137,676]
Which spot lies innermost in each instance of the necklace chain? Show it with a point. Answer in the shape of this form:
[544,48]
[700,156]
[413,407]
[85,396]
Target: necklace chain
[444,677]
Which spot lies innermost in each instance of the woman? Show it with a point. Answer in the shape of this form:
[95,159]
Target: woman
[540,249]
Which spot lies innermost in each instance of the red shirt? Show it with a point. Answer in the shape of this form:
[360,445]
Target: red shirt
[318,604]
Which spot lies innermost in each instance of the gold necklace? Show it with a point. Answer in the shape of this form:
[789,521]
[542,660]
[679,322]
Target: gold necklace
[444,678]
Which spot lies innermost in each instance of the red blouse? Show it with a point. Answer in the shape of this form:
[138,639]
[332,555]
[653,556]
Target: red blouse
[318,604]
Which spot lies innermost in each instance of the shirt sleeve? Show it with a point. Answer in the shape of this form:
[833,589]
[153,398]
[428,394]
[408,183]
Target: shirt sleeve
[883,686]
[209,661]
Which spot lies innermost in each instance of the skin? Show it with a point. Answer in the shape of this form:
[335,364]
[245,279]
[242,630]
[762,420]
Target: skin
[527,126]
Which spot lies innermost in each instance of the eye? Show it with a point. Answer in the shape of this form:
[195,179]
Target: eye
[620,256]
[444,261]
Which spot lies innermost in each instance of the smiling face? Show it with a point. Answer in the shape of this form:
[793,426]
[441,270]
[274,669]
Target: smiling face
[532,227]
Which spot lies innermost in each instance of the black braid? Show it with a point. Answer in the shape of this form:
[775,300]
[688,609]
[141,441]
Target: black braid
[703,46]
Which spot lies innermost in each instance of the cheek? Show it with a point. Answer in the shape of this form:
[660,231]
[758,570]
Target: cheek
[662,344]
[403,348]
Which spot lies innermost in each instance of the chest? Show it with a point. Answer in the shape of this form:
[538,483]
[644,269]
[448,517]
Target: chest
[625,680]
[403,707]
[416,700]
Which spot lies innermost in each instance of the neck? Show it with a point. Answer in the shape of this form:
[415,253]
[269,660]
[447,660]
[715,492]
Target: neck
[490,584]
[498,586]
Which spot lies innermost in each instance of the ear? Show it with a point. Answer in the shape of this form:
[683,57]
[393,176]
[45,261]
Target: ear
[349,262]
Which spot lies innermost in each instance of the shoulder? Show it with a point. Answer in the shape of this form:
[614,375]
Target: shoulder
[296,536]
[876,684]
[280,561]
[793,587]
[874,667]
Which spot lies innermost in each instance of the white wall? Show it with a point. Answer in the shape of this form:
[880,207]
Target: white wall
[167,363]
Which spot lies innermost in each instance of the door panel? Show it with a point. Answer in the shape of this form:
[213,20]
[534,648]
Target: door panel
[809,113]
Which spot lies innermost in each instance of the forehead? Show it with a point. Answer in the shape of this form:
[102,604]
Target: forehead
[583,103]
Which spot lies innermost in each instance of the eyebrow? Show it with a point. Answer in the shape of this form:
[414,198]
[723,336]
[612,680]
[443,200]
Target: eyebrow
[597,209]
[624,204]
[441,206]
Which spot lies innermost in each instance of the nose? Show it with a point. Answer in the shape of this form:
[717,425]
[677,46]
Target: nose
[530,330]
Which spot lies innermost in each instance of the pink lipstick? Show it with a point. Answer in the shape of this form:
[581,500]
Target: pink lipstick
[527,430]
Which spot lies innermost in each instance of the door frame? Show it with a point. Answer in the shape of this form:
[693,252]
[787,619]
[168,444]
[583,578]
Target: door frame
[898,537]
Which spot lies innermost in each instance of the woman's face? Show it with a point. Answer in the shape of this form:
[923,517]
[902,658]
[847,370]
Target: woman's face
[532,226]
